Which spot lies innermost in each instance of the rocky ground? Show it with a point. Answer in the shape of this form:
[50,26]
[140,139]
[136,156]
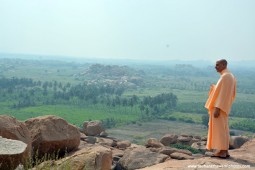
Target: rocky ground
[52,143]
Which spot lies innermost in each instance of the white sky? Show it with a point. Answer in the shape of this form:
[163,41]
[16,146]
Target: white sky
[136,29]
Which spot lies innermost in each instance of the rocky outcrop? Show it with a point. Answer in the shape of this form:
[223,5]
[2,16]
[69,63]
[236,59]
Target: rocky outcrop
[242,158]
[237,141]
[11,128]
[52,135]
[12,153]
[93,157]
[140,157]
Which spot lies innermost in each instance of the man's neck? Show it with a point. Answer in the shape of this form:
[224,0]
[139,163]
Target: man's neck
[224,71]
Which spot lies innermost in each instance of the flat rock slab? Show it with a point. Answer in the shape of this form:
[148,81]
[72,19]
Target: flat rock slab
[11,147]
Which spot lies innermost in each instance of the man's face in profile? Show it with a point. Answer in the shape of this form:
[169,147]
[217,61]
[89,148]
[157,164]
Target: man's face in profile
[219,66]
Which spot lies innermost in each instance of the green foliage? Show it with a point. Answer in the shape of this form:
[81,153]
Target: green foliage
[246,125]
[205,120]
[158,104]
[185,147]
[192,107]
[183,117]
[243,109]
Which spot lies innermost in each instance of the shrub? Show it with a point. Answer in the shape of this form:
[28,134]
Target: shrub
[185,147]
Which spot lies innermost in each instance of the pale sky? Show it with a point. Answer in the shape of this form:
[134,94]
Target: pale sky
[135,29]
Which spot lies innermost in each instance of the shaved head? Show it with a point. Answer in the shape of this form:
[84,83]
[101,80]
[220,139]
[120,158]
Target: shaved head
[223,61]
[221,65]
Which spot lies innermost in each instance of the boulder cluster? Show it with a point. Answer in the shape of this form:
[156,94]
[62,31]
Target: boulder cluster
[61,146]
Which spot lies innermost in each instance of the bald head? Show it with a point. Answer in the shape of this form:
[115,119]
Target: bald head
[223,61]
[221,65]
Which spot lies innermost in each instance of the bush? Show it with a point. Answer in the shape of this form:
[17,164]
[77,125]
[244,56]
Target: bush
[185,147]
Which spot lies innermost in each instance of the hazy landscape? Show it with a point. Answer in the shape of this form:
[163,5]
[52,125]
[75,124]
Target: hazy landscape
[134,99]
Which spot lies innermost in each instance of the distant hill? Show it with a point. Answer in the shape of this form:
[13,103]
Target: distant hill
[112,74]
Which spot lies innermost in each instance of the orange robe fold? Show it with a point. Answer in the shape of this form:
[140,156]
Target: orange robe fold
[221,96]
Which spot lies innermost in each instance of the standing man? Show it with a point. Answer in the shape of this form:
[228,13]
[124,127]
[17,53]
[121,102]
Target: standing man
[219,102]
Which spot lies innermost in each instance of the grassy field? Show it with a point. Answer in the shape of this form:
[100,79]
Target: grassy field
[73,114]
[186,95]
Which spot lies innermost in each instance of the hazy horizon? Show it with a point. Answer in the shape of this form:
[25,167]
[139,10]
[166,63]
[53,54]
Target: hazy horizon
[185,30]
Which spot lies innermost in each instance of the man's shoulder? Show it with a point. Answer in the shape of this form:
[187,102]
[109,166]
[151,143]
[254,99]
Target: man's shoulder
[228,75]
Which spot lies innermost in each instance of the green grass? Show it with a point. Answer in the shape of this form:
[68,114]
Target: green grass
[196,118]
[185,96]
[73,114]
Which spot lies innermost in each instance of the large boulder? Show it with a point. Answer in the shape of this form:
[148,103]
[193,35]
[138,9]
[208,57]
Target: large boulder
[93,128]
[237,141]
[11,128]
[12,153]
[52,135]
[139,158]
[169,139]
[90,158]
[154,143]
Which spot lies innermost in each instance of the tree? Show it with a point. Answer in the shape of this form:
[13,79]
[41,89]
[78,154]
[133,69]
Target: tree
[205,120]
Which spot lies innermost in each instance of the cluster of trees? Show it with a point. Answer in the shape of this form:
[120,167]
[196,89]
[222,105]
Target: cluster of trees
[158,104]
[26,93]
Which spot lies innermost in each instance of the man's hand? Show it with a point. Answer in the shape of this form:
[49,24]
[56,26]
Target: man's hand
[216,112]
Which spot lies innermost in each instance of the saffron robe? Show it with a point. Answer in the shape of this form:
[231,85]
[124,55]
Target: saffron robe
[221,96]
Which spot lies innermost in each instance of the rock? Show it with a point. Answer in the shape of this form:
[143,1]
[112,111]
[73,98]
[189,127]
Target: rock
[201,146]
[168,139]
[180,156]
[103,134]
[193,140]
[244,154]
[90,158]
[184,135]
[123,144]
[241,158]
[139,158]
[168,151]
[117,152]
[204,138]
[11,128]
[93,128]
[105,142]
[52,135]
[153,142]
[91,139]
[197,137]
[12,153]
[185,140]
[83,136]
[237,141]
[205,163]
